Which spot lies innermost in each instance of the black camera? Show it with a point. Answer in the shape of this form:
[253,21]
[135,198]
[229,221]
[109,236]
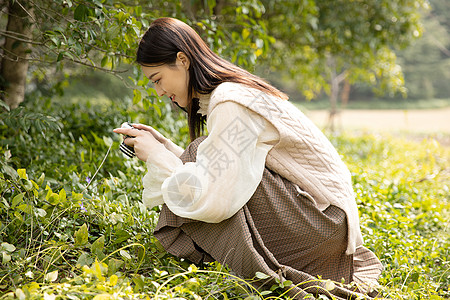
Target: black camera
[127,150]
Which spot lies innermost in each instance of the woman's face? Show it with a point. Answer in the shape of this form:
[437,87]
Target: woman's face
[171,80]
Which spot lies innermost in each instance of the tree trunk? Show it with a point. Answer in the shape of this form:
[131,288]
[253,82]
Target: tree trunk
[14,66]
[335,81]
[345,93]
[333,102]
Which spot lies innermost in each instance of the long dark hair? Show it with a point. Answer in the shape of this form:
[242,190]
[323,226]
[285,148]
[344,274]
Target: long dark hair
[160,45]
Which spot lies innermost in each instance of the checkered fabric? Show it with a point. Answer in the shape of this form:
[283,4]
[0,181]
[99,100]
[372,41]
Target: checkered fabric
[278,232]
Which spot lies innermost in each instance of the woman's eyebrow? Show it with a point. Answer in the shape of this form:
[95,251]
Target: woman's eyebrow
[151,76]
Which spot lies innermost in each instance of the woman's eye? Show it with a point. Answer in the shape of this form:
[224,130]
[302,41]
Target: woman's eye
[156,81]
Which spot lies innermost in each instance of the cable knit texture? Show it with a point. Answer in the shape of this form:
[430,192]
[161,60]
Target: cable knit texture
[303,154]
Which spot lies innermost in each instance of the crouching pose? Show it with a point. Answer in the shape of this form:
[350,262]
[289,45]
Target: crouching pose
[264,191]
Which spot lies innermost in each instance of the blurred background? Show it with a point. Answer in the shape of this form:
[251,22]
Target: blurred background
[382,65]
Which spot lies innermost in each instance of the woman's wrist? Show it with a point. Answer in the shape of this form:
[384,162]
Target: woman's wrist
[174,148]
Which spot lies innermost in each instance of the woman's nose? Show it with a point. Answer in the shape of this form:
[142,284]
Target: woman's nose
[159,90]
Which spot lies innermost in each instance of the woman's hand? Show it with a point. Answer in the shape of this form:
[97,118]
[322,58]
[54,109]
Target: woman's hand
[158,136]
[171,146]
[143,141]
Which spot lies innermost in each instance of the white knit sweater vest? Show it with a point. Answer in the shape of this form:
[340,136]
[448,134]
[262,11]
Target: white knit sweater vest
[303,154]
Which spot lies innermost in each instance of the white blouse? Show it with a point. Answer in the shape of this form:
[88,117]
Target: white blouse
[229,167]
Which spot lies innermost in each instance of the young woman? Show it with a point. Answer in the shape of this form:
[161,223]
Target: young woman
[265,191]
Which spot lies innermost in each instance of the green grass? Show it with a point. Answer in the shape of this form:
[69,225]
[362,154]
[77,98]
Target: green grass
[379,104]
[66,234]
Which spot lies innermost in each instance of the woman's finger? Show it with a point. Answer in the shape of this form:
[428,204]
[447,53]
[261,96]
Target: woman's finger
[129,141]
[127,131]
[142,127]
[146,128]
[152,130]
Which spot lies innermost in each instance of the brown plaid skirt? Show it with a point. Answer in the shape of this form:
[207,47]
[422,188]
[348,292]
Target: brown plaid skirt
[278,232]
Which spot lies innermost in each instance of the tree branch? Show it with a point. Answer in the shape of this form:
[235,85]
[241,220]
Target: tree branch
[93,66]
[441,46]
[26,11]
[97,68]
[341,77]
[11,35]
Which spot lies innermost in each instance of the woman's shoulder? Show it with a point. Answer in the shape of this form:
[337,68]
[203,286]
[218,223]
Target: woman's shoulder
[229,92]
[229,87]
[234,91]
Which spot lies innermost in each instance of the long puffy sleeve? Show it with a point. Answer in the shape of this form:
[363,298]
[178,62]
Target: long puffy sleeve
[228,168]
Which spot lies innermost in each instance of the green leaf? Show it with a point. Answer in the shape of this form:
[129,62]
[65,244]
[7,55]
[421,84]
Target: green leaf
[5,203]
[22,173]
[157,109]
[4,105]
[52,198]
[10,171]
[27,184]
[62,195]
[287,283]
[98,246]
[108,141]
[139,283]
[81,235]
[41,179]
[245,33]
[113,32]
[84,259]
[60,56]
[26,208]
[40,212]
[137,96]
[8,247]
[81,13]
[113,280]
[104,61]
[97,268]
[77,196]
[52,276]
[329,285]
[17,199]
[125,254]
[5,257]
[260,275]
[114,265]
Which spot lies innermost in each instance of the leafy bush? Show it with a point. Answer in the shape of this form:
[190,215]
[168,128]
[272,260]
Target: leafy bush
[402,192]
[68,231]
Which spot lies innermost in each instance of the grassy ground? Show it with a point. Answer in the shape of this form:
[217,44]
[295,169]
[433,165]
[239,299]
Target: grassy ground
[68,232]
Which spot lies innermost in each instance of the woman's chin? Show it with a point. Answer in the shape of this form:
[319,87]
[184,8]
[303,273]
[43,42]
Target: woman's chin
[174,103]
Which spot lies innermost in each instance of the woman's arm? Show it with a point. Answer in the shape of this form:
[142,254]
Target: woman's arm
[228,169]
